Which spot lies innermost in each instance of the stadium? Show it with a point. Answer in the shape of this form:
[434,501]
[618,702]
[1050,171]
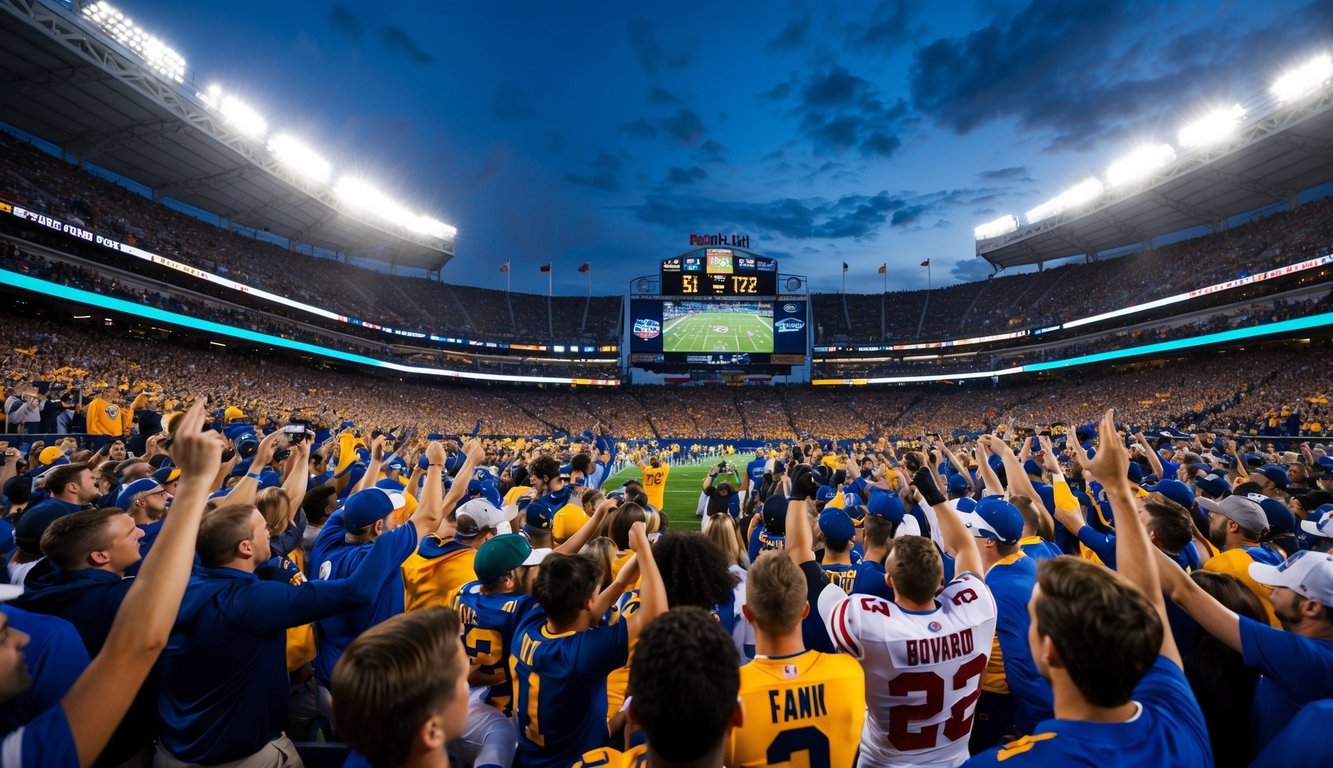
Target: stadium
[199,301]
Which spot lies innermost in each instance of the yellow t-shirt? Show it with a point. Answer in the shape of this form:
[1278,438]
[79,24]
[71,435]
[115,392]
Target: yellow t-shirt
[434,573]
[654,483]
[605,757]
[1237,563]
[811,702]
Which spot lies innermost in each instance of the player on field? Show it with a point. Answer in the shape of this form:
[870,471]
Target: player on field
[1103,640]
[924,652]
[654,477]
[796,701]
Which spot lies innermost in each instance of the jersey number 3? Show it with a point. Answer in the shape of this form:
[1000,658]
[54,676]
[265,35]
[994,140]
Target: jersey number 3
[902,716]
[792,741]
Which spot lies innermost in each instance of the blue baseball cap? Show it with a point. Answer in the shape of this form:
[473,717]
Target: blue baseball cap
[538,517]
[1276,474]
[1280,518]
[775,514]
[131,492]
[1031,467]
[365,508]
[994,518]
[886,505]
[836,525]
[957,484]
[1213,485]
[1175,491]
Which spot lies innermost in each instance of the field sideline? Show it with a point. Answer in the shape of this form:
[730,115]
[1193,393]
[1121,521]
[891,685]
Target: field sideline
[682,488]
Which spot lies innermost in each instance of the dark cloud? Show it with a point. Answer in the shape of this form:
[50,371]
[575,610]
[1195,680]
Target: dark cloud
[713,152]
[510,103]
[839,112]
[1087,71]
[685,127]
[1018,173]
[909,215]
[776,93]
[602,174]
[792,37]
[970,270]
[650,53]
[880,145]
[890,26]
[683,176]
[663,97]
[639,129]
[851,216]
[397,40]
[344,23]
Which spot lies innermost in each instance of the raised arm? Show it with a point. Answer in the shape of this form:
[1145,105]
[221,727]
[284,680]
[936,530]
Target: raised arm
[430,507]
[989,480]
[799,543]
[244,491]
[298,479]
[1153,459]
[100,697]
[652,590]
[1216,619]
[1135,555]
[952,531]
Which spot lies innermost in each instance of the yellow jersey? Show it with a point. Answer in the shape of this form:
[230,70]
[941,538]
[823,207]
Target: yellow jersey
[810,702]
[434,573]
[567,521]
[1237,563]
[606,757]
[654,483]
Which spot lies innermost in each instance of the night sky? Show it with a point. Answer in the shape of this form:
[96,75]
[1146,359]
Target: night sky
[609,132]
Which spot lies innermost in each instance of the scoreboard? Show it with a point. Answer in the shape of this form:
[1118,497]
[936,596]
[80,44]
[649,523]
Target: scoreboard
[719,272]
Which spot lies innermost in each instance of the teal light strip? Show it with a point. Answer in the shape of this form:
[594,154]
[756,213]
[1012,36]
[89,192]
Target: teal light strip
[145,312]
[1237,334]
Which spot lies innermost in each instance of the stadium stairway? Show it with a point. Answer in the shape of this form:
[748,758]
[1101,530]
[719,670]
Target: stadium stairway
[976,299]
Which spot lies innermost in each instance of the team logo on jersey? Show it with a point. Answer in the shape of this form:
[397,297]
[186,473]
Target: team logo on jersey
[789,325]
[112,412]
[789,671]
[934,626]
[647,329]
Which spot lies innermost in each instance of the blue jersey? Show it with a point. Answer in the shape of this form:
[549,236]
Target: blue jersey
[1169,730]
[1295,740]
[755,471]
[870,580]
[45,741]
[1296,671]
[842,575]
[55,656]
[762,541]
[1011,581]
[560,683]
[489,622]
[340,561]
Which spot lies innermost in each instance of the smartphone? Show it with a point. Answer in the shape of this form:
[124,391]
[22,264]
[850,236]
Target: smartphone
[295,433]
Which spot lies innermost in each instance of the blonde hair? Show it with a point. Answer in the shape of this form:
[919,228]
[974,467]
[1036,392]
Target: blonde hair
[603,551]
[722,530]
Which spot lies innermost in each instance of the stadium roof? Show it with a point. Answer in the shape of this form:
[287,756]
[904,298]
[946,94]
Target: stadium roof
[65,81]
[1269,160]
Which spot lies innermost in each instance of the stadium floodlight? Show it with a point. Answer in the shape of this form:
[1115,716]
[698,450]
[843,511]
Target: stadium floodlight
[1076,196]
[237,113]
[362,195]
[1213,128]
[1001,226]
[159,57]
[1139,164]
[1304,80]
[295,154]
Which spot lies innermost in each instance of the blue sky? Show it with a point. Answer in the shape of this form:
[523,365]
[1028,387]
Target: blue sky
[870,133]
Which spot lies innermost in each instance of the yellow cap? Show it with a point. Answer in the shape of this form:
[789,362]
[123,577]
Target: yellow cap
[49,455]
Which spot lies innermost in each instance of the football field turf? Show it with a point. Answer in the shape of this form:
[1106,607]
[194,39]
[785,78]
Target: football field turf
[718,332]
[683,487]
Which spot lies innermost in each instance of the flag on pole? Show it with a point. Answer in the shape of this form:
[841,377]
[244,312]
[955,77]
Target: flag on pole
[844,266]
[546,267]
[926,263]
[504,267]
[586,266]
[884,268]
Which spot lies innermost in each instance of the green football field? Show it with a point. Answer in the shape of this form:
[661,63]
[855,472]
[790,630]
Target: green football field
[718,332]
[682,488]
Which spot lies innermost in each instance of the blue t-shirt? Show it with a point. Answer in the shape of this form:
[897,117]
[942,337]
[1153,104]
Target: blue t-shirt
[45,742]
[1011,584]
[1296,671]
[762,541]
[334,633]
[55,656]
[489,622]
[1302,742]
[1169,730]
[870,580]
[755,471]
[561,689]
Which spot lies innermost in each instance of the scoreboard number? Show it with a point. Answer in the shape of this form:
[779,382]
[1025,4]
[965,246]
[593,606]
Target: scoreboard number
[743,284]
[689,283]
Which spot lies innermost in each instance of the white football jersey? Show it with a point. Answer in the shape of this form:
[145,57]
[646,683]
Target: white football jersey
[923,669]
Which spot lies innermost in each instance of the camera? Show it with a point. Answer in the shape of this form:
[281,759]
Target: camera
[725,466]
[295,433]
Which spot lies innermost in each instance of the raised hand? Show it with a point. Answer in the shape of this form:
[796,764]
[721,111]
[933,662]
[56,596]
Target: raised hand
[197,453]
[1112,459]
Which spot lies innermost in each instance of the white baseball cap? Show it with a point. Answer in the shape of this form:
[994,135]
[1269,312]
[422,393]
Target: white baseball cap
[483,514]
[1322,525]
[1308,574]
[537,556]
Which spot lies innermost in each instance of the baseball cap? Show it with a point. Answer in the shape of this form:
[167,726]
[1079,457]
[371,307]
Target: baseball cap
[166,475]
[537,556]
[825,493]
[1244,512]
[143,485]
[1215,485]
[232,413]
[538,516]
[500,555]
[994,518]
[402,500]
[1276,474]
[1280,519]
[1308,574]
[1032,468]
[34,522]
[886,505]
[1175,491]
[365,508]
[399,463]
[1320,522]
[480,514]
[836,525]
[775,514]
[50,455]
[1135,473]
[957,484]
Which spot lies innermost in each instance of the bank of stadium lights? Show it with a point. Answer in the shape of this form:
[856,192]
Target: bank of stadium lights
[1076,196]
[359,194]
[299,157]
[237,113]
[156,54]
[1304,80]
[1213,128]
[1139,164]
[1001,226]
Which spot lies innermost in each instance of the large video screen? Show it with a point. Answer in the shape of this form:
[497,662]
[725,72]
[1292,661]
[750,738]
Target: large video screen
[710,326]
[719,272]
[682,333]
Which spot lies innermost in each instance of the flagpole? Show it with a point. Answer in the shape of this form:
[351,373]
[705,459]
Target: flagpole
[927,274]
